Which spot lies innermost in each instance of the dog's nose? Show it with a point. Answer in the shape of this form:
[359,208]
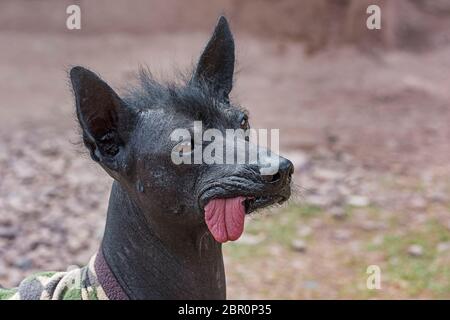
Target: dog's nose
[284,173]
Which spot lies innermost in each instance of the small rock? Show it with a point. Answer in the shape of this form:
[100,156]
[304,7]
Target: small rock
[443,246]
[24,263]
[438,197]
[72,267]
[58,166]
[298,245]
[358,201]
[275,250]
[415,250]
[310,284]
[304,231]
[76,245]
[377,240]
[418,203]
[343,190]
[23,170]
[48,148]
[327,175]
[338,213]
[318,201]
[8,232]
[15,202]
[370,225]
[342,234]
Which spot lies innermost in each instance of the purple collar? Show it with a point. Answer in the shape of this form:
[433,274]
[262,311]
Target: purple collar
[107,280]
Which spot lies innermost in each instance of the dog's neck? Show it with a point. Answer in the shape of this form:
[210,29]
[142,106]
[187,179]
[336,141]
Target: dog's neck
[160,262]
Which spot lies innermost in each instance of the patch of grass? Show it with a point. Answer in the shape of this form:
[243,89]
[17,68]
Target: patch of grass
[371,211]
[277,228]
[425,274]
[241,251]
[281,227]
[402,275]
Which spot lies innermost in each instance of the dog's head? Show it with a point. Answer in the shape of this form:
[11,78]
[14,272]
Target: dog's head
[148,142]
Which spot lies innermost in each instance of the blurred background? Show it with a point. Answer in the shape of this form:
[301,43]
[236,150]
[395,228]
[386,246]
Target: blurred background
[363,114]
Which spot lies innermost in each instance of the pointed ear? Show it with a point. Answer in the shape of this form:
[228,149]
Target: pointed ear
[216,64]
[104,118]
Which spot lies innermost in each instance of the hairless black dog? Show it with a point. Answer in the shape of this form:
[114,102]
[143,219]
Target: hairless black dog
[166,222]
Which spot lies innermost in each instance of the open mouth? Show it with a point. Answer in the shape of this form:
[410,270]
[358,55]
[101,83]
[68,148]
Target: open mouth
[225,216]
[252,204]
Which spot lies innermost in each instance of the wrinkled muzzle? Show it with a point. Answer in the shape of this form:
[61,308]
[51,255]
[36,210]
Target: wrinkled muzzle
[257,178]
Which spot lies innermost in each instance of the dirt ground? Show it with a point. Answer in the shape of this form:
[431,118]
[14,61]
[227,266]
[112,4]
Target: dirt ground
[367,132]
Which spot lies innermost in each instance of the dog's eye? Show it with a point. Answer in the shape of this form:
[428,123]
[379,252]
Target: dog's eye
[184,148]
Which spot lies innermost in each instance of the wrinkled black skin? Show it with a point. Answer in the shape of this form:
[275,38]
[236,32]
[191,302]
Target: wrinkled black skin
[156,240]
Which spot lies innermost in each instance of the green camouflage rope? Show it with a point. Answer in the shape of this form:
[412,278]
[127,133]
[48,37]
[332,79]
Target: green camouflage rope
[76,284]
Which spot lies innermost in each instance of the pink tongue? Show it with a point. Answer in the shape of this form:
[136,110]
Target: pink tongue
[225,218]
